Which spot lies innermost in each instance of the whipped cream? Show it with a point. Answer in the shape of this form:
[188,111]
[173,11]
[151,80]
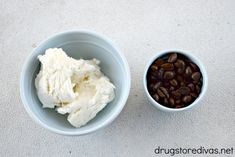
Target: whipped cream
[74,87]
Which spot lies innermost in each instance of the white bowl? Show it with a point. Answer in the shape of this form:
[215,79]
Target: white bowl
[204,81]
[77,44]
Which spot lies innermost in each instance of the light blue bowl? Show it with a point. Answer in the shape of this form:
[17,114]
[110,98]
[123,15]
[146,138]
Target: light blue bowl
[77,44]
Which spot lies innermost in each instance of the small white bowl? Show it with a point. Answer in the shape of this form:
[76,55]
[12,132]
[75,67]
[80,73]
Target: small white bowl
[192,58]
[77,44]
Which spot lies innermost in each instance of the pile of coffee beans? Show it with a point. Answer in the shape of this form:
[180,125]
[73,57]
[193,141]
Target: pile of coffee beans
[174,81]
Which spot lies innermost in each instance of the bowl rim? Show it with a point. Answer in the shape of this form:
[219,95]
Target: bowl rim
[99,125]
[194,59]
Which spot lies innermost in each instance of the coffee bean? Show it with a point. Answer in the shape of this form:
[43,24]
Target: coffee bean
[172,58]
[194,67]
[156,97]
[154,73]
[188,71]
[184,90]
[151,86]
[172,88]
[196,76]
[156,86]
[198,89]
[193,95]
[169,75]
[158,62]
[187,99]
[178,101]
[167,66]
[179,78]
[173,82]
[180,70]
[179,106]
[164,91]
[152,78]
[160,93]
[180,64]
[182,83]
[160,73]
[172,101]
[165,101]
[191,86]
[154,68]
[176,93]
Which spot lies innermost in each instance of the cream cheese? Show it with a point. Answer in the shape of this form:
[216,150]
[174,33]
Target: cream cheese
[74,87]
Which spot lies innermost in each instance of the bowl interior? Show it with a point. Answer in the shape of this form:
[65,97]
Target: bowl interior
[78,45]
[194,60]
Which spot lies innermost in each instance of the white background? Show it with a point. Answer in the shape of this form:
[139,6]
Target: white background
[141,28]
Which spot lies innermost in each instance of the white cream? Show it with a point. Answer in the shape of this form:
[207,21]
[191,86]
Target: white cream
[76,87]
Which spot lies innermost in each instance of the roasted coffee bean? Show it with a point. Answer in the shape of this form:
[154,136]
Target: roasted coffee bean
[176,93]
[154,87]
[172,101]
[151,86]
[158,62]
[198,89]
[187,99]
[193,66]
[196,76]
[179,78]
[155,74]
[165,101]
[160,93]
[191,86]
[164,91]
[188,71]
[172,58]
[180,64]
[193,95]
[180,70]
[178,101]
[154,68]
[169,75]
[160,73]
[157,85]
[156,97]
[152,78]
[173,82]
[184,90]
[172,88]
[182,83]
[179,106]
[167,66]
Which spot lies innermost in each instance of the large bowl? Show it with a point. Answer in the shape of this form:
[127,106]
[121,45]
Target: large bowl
[77,44]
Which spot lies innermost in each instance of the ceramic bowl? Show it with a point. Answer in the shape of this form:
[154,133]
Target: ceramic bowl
[77,44]
[193,59]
